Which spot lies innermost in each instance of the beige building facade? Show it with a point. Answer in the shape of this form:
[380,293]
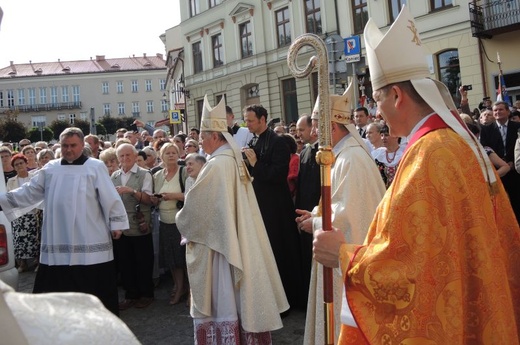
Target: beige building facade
[237,49]
[68,90]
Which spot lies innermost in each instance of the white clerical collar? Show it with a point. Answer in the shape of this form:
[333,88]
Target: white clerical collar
[221,148]
[417,126]
[339,144]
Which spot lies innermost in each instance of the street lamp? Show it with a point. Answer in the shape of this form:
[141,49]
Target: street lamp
[182,90]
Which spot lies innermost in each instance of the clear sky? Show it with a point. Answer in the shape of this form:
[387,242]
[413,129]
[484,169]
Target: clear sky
[45,31]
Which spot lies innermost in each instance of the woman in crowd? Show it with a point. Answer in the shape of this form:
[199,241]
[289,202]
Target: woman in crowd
[194,164]
[30,153]
[387,157]
[44,156]
[179,140]
[109,157]
[5,155]
[167,194]
[192,146]
[25,228]
[141,159]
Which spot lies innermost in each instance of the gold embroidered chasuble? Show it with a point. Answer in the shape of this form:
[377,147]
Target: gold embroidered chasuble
[440,263]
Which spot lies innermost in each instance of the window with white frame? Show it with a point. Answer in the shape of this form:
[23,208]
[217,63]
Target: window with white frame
[246,42]
[54,95]
[106,109]
[148,85]
[283,27]
[62,117]
[32,96]
[72,118]
[43,95]
[213,3]
[83,115]
[395,7]
[39,120]
[21,96]
[194,8]
[104,87]
[65,94]
[313,16]
[360,13]
[75,94]
[135,109]
[197,57]
[440,4]
[149,107]
[164,105]
[119,86]
[218,50]
[162,84]
[10,98]
[135,86]
[121,108]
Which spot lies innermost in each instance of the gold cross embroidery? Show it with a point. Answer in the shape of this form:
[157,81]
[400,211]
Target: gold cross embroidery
[413,29]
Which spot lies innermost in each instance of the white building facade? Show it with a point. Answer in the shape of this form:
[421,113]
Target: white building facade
[40,93]
[237,49]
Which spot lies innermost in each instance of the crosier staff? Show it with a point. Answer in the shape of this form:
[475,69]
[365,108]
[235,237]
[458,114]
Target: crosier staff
[324,157]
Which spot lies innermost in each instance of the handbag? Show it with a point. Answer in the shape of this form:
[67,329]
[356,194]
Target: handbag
[180,203]
[140,219]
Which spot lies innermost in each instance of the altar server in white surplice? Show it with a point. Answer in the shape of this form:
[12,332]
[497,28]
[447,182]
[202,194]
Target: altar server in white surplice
[237,294]
[82,211]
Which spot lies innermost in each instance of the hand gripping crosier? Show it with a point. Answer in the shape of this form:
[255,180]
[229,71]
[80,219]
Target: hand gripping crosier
[324,157]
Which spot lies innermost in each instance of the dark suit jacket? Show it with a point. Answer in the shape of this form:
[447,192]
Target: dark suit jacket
[490,136]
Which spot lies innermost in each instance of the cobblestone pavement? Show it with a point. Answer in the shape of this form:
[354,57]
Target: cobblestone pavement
[161,323]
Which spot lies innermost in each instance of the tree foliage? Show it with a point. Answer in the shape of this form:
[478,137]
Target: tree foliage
[12,130]
[112,124]
[58,126]
[84,125]
[35,134]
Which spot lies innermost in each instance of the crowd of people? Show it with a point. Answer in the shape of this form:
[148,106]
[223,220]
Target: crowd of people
[425,202]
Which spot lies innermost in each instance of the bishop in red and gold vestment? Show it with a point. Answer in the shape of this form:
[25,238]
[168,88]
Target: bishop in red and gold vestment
[440,261]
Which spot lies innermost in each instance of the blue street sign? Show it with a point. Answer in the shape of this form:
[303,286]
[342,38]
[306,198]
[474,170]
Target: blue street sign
[175,116]
[352,45]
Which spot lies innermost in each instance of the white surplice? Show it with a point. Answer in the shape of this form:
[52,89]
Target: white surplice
[81,208]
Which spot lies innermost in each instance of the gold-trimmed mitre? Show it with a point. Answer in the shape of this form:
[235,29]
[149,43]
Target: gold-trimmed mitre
[396,56]
[213,119]
[340,107]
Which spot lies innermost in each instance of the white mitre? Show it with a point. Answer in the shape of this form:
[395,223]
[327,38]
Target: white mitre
[341,112]
[215,120]
[399,56]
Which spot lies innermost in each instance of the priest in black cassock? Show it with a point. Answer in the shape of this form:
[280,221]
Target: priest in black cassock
[268,162]
[308,190]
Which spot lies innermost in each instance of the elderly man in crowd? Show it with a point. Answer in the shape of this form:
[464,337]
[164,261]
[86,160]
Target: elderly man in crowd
[135,248]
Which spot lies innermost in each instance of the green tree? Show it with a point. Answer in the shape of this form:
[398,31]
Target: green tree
[58,126]
[12,130]
[84,125]
[35,134]
[110,124]
[100,129]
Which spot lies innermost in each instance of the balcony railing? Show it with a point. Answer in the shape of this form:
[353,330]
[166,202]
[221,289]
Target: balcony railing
[31,108]
[493,17]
